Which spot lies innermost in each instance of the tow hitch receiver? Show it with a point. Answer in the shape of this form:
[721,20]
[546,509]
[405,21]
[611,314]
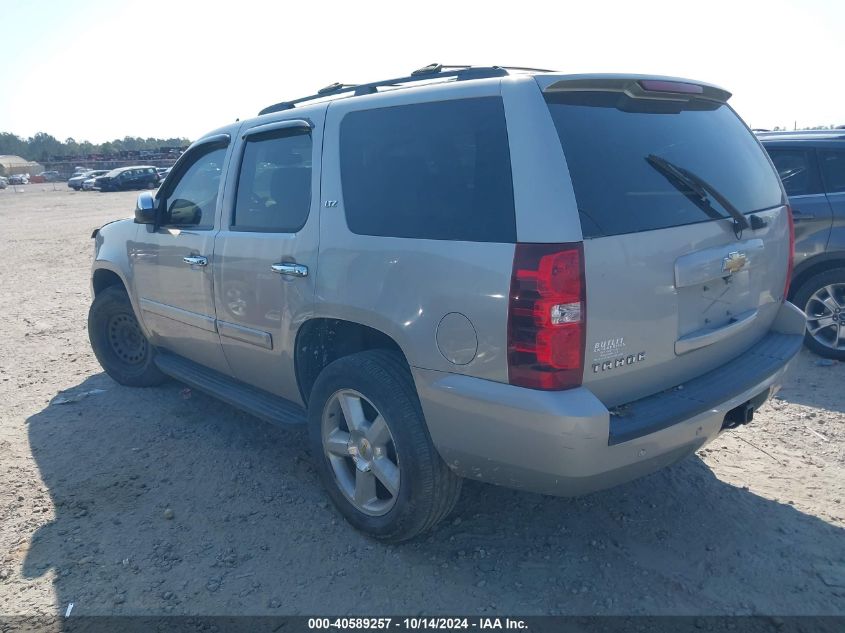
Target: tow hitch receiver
[744,413]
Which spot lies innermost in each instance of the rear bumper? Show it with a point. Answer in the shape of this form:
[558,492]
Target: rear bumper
[567,443]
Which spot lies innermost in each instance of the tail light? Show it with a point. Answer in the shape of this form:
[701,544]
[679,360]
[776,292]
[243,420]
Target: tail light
[547,316]
[791,258]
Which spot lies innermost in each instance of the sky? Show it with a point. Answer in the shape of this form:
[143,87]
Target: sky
[98,70]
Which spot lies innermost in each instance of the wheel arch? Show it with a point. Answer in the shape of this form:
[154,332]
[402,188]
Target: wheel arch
[107,274]
[814,266]
[104,277]
[322,340]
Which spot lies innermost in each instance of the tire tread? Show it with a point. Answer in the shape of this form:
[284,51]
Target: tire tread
[802,295]
[437,488]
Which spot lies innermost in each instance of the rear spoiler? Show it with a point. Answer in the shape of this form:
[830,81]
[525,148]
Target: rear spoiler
[635,86]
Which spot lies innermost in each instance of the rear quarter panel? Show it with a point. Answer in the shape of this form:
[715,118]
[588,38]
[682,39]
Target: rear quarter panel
[404,287]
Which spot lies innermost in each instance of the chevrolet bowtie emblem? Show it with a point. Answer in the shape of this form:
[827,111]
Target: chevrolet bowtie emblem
[734,262]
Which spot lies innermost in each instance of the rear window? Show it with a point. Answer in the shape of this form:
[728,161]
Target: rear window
[608,138]
[437,171]
[833,168]
[796,170]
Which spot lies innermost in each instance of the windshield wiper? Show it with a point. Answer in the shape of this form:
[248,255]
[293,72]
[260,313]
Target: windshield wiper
[699,187]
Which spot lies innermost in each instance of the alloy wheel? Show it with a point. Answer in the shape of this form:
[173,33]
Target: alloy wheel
[825,311]
[361,451]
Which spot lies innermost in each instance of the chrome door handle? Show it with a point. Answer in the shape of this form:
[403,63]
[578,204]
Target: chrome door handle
[196,260]
[289,268]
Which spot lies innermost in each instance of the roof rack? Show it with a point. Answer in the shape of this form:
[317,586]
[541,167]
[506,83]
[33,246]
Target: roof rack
[426,73]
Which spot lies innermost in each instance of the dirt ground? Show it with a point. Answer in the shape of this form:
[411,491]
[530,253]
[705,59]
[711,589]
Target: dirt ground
[155,501]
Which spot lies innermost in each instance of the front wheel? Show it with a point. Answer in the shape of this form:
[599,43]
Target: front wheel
[822,297]
[118,342]
[372,449]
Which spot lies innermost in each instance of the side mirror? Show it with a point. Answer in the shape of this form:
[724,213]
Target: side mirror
[145,209]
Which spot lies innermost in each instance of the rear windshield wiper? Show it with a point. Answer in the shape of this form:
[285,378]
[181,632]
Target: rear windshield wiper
[699,187]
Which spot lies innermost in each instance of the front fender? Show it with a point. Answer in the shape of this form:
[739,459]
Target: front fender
[111,253]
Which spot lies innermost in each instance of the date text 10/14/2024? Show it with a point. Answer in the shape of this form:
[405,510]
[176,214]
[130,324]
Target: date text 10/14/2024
[416,623]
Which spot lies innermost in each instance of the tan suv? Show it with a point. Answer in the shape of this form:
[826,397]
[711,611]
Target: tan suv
[544,281]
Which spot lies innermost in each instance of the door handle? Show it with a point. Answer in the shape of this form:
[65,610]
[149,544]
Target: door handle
[196,260]
[289,268]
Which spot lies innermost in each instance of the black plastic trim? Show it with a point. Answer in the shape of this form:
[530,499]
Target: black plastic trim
[435,71]
[667,408]
[238,394]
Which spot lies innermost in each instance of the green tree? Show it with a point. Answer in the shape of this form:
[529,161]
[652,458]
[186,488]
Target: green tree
[43,146]
[71,147]
[12,144]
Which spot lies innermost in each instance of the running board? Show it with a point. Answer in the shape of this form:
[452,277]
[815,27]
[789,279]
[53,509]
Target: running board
[240,395]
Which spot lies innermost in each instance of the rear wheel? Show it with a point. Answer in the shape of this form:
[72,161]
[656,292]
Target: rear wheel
[822,297]
[118,342]
[372,449]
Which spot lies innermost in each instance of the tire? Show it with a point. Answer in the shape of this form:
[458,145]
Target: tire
[814,298]
[427,489]
[118,342]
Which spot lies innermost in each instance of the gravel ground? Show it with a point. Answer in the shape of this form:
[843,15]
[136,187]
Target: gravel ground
[164,501]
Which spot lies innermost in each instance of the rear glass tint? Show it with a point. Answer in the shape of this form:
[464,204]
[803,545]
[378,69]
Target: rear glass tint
[438,171]
[833,168]
[608,140]
[796,170]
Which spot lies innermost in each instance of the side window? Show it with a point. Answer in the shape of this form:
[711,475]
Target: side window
[193,199]
[274,185]
[796,170]
[436,171]
[833,169]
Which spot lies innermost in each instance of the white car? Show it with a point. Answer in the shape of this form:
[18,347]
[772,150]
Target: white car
[88,183]
[75,182]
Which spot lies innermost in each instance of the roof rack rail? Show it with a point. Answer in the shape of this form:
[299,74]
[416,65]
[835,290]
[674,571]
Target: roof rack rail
[426,73]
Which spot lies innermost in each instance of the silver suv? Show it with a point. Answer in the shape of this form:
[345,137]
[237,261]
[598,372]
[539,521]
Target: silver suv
[549,282]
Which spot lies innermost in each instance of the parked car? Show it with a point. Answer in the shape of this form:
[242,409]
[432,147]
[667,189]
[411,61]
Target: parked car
[558,300]
[812,167]
[89,182]
[162,173]
[125,178]
[50,176]
[19,179]
[75,181]
[3,182]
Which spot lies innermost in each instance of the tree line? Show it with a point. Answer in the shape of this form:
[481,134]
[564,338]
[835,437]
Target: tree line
[42,146]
